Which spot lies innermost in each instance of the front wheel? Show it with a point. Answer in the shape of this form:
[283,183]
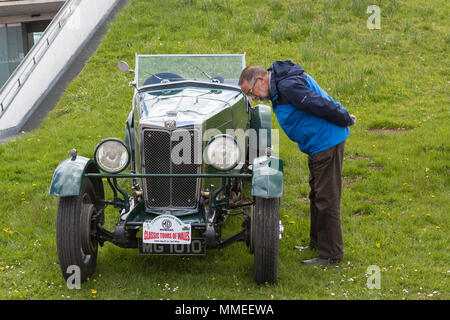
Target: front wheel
[265,235]
[75,232]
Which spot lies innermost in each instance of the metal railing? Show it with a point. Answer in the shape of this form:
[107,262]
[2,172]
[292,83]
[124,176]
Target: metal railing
[20,75]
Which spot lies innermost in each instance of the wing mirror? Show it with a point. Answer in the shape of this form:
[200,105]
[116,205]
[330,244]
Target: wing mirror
[124,67]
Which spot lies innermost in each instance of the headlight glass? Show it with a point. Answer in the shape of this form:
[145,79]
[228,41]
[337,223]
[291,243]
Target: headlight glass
[112,156]
[223,152]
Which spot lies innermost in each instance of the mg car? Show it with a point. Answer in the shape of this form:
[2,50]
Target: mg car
[192,140]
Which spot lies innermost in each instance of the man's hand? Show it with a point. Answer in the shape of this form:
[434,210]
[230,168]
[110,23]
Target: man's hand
[353,117]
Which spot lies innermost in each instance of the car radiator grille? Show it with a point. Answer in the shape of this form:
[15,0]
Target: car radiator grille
[170,192]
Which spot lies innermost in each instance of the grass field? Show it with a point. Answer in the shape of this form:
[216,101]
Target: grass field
[395,202]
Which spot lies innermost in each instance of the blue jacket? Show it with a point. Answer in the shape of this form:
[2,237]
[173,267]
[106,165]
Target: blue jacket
[306,113]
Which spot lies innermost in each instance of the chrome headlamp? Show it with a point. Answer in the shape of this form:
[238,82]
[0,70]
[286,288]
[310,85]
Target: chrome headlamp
[112,155]
[222,152]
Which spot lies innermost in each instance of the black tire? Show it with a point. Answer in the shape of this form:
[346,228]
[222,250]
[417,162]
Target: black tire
[252,229]
[75,232]
[265,237]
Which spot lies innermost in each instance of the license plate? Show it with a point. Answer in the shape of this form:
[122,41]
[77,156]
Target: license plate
[196,247]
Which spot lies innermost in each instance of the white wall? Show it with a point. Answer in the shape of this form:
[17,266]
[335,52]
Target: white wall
[79,28]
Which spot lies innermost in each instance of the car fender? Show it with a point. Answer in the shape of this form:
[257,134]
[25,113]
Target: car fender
[260,138]
[267,178]
[69,174]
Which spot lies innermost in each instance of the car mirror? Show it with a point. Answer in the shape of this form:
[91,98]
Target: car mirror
[124,67]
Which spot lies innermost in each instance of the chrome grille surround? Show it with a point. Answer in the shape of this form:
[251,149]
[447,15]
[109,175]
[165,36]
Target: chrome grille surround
[156,150]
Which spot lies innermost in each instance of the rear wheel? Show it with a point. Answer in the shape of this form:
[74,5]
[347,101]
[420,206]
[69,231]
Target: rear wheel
[265,235]
[76,241]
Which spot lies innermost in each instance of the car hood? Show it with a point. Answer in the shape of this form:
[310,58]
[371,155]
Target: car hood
[185,105]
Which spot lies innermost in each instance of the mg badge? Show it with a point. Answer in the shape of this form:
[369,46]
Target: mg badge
[166,224]
[170,124]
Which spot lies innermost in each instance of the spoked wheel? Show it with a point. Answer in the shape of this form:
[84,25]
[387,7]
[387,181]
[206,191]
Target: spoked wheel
[76,237]
[264,238]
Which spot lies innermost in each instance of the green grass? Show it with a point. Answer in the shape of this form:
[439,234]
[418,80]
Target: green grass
[395,200]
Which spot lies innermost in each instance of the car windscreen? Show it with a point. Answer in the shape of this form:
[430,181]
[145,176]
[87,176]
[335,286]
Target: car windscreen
[219,68]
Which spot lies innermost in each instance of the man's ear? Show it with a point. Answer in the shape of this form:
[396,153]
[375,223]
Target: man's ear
[264,79]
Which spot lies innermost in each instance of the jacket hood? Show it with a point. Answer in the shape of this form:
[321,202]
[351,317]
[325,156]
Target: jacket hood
[280,70]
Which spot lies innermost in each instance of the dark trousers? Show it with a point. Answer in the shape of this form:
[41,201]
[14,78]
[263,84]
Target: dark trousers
[325,180]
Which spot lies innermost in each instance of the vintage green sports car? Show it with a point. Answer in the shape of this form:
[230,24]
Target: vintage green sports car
[191,139]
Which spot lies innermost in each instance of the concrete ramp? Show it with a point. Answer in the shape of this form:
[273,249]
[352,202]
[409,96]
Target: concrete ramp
[39,72]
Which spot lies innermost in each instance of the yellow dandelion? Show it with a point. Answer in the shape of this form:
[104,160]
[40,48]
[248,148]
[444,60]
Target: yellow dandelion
[271,297]
[378,245]
[286,216]
[424,229]
[437,227]
[237,284]
[398,268]
[2,268]
[433,196]
[93,291]
[291,222]
[34,185]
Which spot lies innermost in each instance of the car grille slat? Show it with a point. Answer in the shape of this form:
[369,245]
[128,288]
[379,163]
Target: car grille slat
[158,146]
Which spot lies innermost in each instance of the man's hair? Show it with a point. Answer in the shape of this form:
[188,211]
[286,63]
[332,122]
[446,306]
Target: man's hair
[250,73]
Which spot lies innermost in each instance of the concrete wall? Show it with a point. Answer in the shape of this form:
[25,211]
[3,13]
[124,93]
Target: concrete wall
[77,30]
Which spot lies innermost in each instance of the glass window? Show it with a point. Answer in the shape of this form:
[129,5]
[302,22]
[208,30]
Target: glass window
[203,67]
[11,50]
